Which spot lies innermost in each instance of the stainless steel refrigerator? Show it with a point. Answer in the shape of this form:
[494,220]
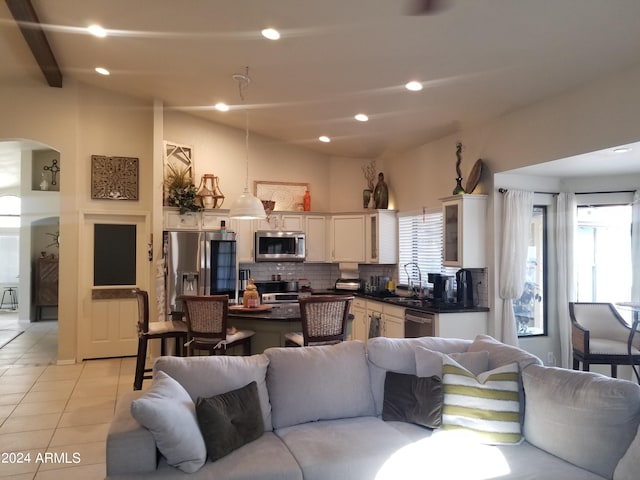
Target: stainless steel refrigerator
[199,263]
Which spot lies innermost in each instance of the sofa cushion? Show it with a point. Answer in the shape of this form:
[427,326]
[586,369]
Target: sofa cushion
[502,354]
[585,418]
[398,355]
[446,455]
[318,383]
[486,407]
[429,362]
[209,376]
[349,449]
[230,420]
[266,458]
[169,413]
[408,398]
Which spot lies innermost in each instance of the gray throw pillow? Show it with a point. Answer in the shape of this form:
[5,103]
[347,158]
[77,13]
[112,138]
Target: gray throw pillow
[408,398]
[230,420]
[168,412]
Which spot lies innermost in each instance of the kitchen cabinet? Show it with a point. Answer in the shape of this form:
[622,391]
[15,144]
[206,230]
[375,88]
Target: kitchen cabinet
[316,237]
[290,222]
[244,239]
[360,330]
[173,220]
[348,238]
[388,318]
[381,237]
[211,220]
[463,230]
[392,321]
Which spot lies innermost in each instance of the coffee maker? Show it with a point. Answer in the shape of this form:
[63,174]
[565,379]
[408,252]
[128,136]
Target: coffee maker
[441,286]
[464,285]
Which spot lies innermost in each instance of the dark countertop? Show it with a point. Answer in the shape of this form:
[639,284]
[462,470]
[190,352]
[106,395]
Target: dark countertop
[423,305]
[278,314]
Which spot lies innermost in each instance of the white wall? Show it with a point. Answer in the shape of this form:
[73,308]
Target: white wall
[599,115]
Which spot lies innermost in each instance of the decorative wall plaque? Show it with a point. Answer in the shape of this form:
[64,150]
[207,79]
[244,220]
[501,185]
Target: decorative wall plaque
[114,178]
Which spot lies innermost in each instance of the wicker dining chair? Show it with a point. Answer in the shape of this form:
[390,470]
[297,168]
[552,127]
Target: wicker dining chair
[207,325]
[324,320]
[176,329]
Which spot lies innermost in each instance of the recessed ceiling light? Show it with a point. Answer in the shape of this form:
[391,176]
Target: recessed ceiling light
[271,33]
[221,107]
[324,139]
[102,71]
[414,86]
[97,31]
[361,117]
[622,150]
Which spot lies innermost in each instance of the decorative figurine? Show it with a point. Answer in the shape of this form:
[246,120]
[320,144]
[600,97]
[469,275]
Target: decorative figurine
[458,190]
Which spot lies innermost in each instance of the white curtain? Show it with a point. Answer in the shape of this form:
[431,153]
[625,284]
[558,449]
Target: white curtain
[566,229]
[516,222]
[635,248]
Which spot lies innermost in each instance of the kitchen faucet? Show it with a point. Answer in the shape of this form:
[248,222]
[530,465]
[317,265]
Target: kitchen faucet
[417,292]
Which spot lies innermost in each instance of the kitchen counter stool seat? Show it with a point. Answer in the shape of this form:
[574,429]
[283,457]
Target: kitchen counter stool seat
[207,325]
[147,330]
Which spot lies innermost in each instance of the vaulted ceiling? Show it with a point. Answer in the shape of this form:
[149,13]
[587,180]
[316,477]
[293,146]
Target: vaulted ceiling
[476,59]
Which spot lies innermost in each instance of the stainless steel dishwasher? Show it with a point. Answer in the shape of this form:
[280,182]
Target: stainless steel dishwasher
[418,324]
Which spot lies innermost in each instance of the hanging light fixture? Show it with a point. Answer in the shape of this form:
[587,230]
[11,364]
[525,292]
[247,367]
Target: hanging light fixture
[246,206]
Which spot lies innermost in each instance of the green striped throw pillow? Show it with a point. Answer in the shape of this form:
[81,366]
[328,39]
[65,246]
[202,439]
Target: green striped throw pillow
[486,407]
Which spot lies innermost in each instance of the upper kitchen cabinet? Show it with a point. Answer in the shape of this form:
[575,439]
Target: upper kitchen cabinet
[212,220]
[348,238]
[289,222]
[316,231]
[463,230]
[381,237]
[174,220]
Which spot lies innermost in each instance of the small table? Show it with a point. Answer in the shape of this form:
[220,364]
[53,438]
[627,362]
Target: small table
[635,308]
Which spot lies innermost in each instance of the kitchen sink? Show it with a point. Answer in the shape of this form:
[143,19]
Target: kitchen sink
[414,302]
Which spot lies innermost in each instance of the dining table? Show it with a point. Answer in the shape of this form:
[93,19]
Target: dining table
[635,309]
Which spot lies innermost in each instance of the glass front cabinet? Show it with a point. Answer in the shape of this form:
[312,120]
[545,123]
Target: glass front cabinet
[464,231]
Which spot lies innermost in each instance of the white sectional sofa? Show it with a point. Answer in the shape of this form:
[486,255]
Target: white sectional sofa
[322,411]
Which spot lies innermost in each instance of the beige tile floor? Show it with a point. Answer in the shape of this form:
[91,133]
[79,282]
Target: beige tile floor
[56,415]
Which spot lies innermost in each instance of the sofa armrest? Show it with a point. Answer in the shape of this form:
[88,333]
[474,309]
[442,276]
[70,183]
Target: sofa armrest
[131,448]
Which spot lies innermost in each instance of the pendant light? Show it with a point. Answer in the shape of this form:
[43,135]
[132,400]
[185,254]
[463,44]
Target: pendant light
[246,206]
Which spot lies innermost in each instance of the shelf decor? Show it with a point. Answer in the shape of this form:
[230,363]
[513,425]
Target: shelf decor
[114,178]
[288,196]
[176,158]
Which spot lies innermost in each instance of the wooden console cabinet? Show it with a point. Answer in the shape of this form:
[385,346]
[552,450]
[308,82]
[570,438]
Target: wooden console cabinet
[46,284]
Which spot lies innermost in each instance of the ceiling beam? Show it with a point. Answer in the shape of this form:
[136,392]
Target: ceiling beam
[32,31]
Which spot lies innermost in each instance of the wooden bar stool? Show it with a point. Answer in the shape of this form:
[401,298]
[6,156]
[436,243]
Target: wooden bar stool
[176,329]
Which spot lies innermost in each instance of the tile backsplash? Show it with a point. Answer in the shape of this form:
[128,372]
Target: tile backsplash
[323,276]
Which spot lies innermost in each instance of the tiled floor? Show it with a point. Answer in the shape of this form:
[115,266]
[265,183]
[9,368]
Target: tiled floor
[54,419]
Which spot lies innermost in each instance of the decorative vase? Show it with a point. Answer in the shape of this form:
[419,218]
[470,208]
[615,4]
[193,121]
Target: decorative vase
[366,197]
[458,190]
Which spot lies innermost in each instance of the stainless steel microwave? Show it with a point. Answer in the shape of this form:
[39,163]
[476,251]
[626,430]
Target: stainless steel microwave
[274,246]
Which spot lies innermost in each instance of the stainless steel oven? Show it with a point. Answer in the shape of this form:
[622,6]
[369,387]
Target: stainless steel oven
[418,324]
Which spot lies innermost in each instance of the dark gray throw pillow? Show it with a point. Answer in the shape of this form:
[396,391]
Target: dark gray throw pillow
[408,398]
[230,420]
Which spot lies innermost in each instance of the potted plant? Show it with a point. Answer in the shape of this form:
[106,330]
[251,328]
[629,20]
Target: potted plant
[181,192]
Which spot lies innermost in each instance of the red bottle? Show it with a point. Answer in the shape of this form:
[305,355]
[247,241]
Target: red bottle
[306,201]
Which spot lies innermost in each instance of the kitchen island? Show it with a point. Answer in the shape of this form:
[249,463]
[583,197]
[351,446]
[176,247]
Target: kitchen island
[270,325]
